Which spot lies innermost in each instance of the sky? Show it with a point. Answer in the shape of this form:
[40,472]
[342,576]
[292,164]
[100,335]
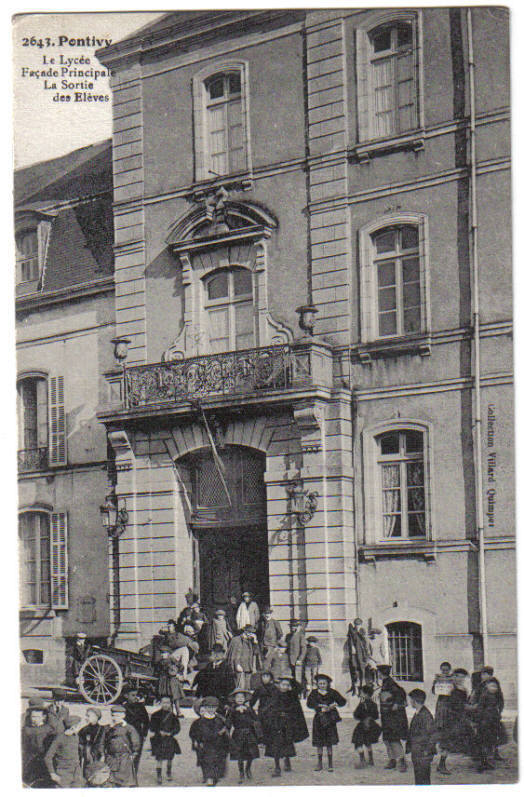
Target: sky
[45,127]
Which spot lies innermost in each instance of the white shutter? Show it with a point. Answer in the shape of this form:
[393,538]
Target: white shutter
[59,580]
[57,425]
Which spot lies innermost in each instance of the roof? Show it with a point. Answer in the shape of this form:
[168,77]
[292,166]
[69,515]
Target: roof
[73,196]
[80,173]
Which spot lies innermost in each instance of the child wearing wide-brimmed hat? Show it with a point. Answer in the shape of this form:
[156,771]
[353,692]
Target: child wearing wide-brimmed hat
[324,700]
[246,732]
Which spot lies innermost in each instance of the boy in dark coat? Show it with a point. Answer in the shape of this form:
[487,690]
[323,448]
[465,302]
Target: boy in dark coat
[283,723]
[164,727]
[37,735]
[421,738]
[137,716]
[210,739]
[216,678]
[269,632]
[122,743]
[296,648]
[324,700]
[392,699]
[489,726]
[91,740]
[367,731]
[264,695]
[246,733]
[312,662]
[63,757]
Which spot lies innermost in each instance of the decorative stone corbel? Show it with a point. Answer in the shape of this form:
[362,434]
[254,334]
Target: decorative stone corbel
[309,417]
[121,445]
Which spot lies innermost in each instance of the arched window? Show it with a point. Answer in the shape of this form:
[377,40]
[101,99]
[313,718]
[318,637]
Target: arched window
[405,651]
[230,312]
[401,472]
[389,84]
[27,256]
[397,264]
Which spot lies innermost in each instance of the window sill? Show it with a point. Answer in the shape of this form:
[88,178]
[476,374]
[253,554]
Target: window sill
[412,141]
[37,613]
[239,181]
[392,347]
[423,549]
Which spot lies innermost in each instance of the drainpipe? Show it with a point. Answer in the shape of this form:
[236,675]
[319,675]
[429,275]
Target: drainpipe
[477,413]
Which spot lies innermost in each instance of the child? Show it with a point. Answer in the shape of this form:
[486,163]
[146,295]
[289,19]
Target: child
[63,759]
[368,730]
[210,739]
[324,700]
[421,738]
[164,727]
[246,733]
[442,687]
[312,662]
[489,727]
[91,738]
[219,633]
[168,681]
[283,724]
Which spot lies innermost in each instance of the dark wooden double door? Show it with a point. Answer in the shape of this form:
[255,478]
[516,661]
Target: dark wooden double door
[233,560]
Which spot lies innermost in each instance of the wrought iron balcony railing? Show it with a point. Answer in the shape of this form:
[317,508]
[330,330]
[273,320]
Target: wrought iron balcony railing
[251,371]
[32,459]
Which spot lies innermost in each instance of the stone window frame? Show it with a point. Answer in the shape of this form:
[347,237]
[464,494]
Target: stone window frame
[215,69]
[368,277]
[366,131]
[230,302]
[373,487]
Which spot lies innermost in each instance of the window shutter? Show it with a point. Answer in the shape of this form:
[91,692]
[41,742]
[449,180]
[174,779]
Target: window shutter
[59,580]
[57,425]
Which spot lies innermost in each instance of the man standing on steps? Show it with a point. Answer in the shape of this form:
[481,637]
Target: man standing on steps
[394,721]
[248,612]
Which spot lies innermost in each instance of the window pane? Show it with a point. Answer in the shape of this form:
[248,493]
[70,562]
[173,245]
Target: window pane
[387,299]
[387,324]
[390,501]
[389,443]
[412,295]
[217,286]
[382,40]
[386,273]
[244,326]
[216,88]
[412,320]
[409,237]
[410,269]
[415,474]
[242,282]
[237,160]
[219,330]
[416,525]
[414,441]
[404,34]
[416,500]
[385,241]
[234,83]
[390,476]
[391,526]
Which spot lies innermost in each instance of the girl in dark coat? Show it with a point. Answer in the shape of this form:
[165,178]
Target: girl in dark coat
[284,723]
[246,733]
[264,695]
[91,740]
[367,731]
[393,717]
[164,727]
[489,727]
[456,735]
[168,681]
[210,739]
[324,700]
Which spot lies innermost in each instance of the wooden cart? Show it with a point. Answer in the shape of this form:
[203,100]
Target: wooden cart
[106,672]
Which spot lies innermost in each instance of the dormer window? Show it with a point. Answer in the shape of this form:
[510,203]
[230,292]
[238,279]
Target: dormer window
[28,269]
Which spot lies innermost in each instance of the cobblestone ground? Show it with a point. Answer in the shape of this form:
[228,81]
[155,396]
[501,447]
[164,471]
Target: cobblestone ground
[185,772]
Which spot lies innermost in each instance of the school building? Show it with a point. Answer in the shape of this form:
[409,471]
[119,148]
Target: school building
[311,393]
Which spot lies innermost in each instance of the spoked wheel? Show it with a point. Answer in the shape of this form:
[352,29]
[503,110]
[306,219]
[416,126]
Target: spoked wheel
[100,679]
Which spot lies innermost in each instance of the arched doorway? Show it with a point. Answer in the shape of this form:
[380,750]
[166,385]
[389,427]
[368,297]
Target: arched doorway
[229,528]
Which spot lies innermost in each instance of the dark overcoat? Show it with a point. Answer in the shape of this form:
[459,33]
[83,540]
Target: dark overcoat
[91,740]
[35,743]
[211,742]
[63,757]
[217,681]
[325,734]
[122,744]
[283,723]
[393,715]
[246,733]
[421,737]
[367,730]
[164,727]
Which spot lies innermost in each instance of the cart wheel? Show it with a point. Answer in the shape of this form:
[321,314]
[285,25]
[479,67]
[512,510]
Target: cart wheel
[100,680]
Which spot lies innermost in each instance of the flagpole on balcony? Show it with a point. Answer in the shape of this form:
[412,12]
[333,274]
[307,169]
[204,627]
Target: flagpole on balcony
[216,458]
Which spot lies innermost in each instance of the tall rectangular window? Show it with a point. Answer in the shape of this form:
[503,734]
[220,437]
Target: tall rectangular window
[32,423]
[27,256]
[393,85]
[229,305]
[401,467]
[35,559]
[226,143]
[397,264]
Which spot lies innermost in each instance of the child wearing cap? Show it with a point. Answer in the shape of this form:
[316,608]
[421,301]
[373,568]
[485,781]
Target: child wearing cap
[421,738]
[91,740]
[367,731]
[210,739]
[37,735]
[164,727]
[122,744]
[324,700]
[312,662]
[63,759]
[246,733]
